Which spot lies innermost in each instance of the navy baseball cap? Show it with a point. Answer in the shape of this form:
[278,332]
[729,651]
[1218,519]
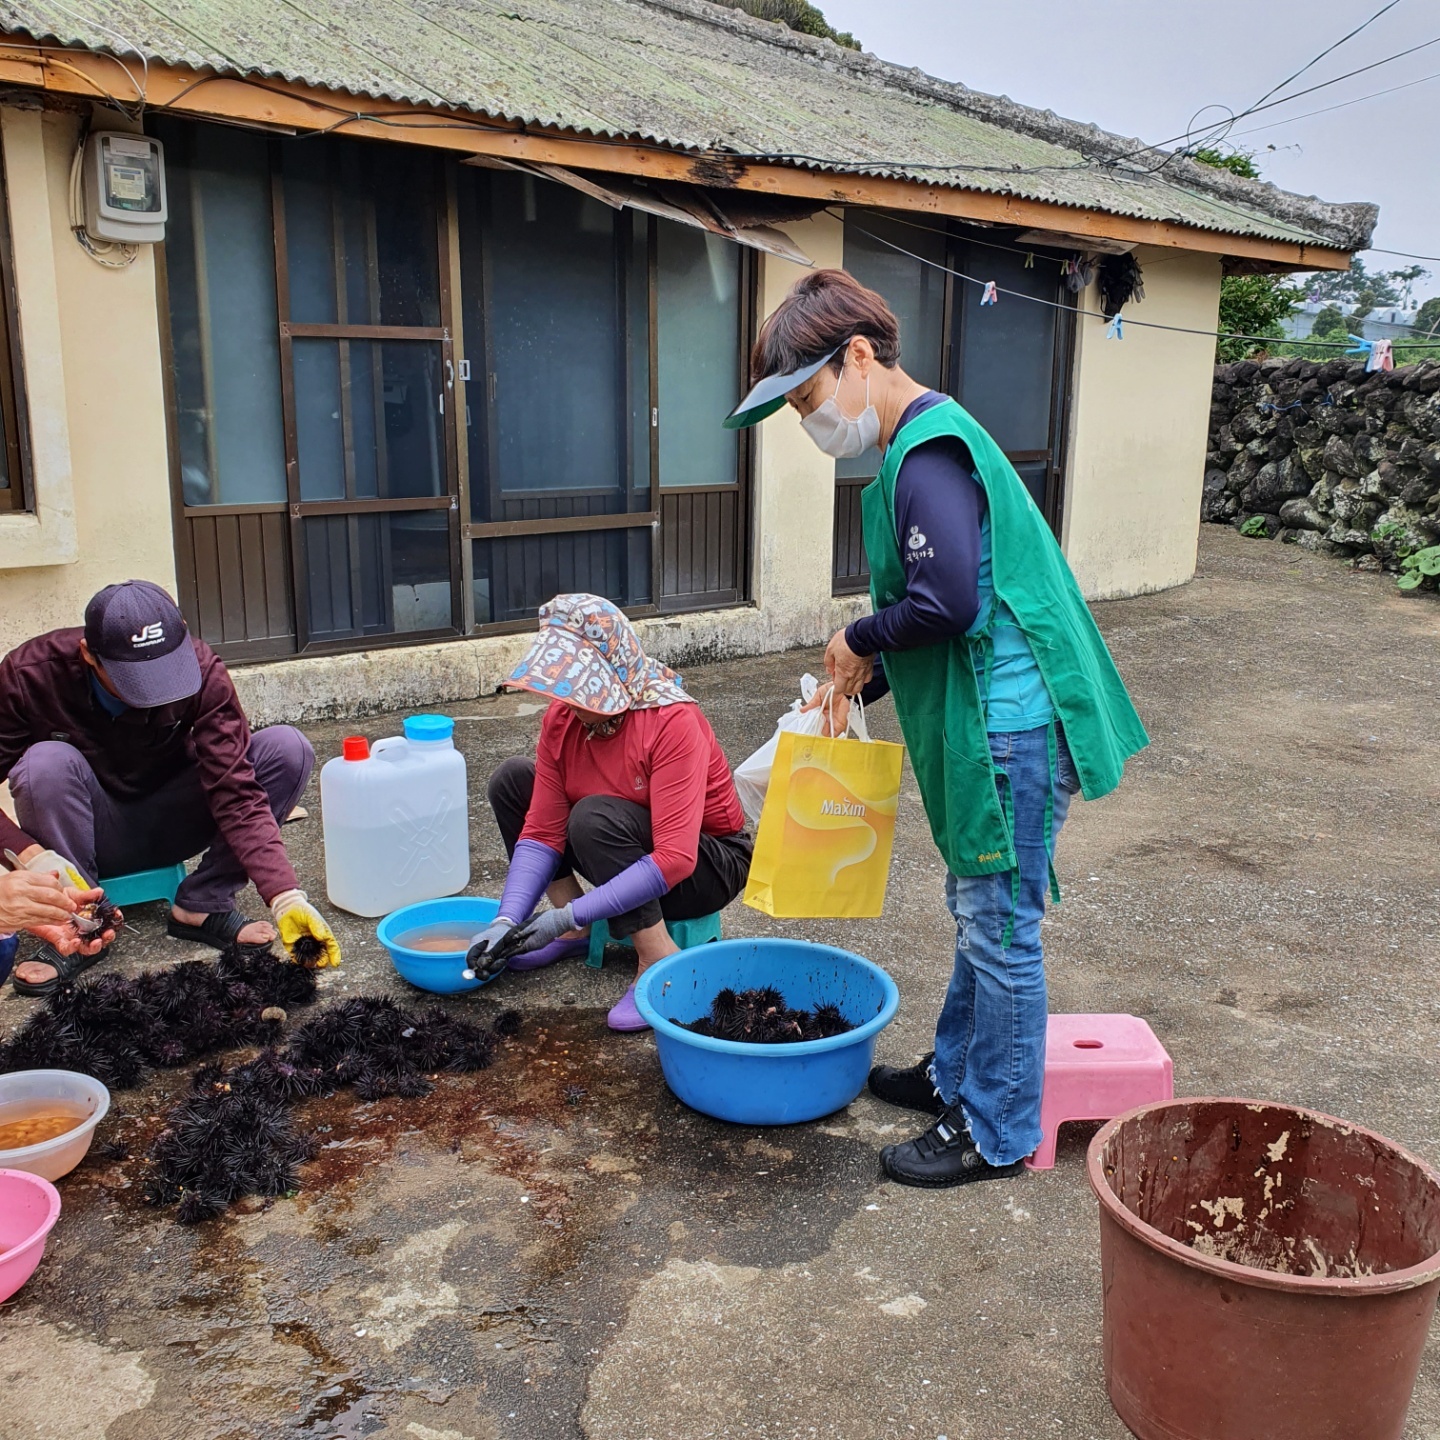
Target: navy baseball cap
[136,631]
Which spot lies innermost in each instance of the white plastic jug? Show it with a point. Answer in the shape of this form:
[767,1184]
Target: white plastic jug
[396,818]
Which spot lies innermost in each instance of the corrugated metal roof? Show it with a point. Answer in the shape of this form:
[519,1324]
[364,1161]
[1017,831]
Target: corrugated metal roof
[692,76]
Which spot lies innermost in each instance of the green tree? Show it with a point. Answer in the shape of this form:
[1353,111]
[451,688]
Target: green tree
[1329,324]
[798,15]
[1427,318]
[1388,287]
[1252,305]
[1249,304]
[1364,304]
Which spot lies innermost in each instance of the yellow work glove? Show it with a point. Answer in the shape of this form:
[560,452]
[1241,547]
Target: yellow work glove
[298,920]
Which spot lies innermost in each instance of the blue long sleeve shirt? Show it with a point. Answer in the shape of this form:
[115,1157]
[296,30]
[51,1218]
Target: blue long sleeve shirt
[939,510]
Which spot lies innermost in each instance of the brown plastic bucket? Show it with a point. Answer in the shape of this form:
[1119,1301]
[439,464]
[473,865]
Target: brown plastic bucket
[1268,1271]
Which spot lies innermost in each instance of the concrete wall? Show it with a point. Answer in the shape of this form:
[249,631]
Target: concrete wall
[90,344]
[1140,411]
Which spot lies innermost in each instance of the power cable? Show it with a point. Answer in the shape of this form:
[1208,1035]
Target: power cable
[1310,64]
[1406,254]
[1373,95]
[1284,99]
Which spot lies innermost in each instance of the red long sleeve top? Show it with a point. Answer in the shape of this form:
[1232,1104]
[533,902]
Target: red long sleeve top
[45,694]
[666,759]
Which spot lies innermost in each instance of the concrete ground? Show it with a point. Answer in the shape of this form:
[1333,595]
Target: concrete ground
[556,1248]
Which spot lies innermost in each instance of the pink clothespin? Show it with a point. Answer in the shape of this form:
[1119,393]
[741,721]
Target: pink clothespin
[991,295]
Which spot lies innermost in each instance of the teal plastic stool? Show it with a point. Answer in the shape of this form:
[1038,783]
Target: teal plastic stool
[685,933]
[142,885]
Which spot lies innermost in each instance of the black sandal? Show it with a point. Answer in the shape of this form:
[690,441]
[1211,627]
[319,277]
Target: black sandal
[66,967]
[217,931]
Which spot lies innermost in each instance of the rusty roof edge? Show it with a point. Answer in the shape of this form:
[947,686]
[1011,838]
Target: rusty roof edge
[1340,226]
[1350,225]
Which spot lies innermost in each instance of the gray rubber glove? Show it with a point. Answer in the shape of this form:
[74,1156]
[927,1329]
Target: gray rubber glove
[543,929]
[484,959]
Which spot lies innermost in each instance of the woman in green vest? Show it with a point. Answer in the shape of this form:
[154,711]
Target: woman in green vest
[1006,695]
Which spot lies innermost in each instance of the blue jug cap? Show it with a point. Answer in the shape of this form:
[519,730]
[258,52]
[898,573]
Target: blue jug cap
[429,727]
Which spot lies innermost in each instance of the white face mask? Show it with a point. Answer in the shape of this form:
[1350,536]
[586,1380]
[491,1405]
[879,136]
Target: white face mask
[838,434]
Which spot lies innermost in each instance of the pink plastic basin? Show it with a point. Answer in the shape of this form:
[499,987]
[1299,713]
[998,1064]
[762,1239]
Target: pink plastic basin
[29,1206]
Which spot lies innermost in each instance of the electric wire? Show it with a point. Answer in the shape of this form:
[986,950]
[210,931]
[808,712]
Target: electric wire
[1284,99]
[1310,64]
[347,116]
[1373,95]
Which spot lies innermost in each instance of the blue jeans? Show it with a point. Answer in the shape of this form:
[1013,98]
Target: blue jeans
[990,1038]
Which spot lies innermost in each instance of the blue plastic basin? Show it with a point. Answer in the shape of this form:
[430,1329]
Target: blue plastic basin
[766,1084]
[438,971]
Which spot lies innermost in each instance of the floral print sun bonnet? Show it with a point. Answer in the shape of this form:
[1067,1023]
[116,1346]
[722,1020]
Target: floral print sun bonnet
[588,653]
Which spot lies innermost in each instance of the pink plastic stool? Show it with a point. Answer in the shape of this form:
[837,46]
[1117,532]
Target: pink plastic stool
[1098,1067]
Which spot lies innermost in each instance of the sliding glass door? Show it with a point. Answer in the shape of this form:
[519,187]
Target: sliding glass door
[412,399]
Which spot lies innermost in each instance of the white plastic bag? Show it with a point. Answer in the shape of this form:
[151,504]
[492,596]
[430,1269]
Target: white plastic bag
[752,776]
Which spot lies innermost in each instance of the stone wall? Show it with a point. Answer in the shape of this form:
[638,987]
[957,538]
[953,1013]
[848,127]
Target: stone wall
[1330,458]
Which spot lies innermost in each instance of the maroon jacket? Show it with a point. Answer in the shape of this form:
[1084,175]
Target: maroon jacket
[45,694]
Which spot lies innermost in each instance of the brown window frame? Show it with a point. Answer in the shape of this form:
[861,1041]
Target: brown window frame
[847,540]
[17,496]
[677,517]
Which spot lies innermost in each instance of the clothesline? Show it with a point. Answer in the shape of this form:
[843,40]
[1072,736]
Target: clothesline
[1118,330]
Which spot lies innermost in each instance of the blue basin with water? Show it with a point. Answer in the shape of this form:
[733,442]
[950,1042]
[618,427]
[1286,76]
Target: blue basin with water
[766,1084]
[438,971]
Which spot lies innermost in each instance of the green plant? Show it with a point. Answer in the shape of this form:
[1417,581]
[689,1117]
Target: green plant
[1249,304]
[797,15]
[1427,318]
[1416,568]
[1255,528]
[1237,162]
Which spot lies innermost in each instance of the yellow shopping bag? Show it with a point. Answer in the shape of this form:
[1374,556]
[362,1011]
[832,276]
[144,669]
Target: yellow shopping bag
[827,829]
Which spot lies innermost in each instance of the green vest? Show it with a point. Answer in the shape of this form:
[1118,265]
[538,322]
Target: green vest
[937,697]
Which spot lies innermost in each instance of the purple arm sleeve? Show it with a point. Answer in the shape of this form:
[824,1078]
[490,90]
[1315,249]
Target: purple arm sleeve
[532,868]
[938,509]
[630,889]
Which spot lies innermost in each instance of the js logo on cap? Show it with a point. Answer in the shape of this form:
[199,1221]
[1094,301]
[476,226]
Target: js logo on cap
[150,635]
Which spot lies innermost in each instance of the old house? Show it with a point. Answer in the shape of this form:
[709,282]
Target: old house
[451,300]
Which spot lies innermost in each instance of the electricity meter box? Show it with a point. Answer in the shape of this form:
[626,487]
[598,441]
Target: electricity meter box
[124,188]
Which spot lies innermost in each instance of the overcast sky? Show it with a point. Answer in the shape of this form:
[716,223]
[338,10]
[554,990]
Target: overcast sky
[1144,67]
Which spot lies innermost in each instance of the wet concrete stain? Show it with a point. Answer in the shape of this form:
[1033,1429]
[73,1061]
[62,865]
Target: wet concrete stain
[465,1255]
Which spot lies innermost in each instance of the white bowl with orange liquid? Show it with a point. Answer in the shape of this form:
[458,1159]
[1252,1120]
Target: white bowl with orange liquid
[47,1120]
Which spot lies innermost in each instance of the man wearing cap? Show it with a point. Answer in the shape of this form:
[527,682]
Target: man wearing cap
[126,749]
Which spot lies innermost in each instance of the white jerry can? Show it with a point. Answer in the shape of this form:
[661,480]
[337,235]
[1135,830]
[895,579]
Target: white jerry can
[396,817]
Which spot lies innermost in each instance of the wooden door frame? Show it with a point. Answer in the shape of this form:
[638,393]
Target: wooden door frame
[298,509]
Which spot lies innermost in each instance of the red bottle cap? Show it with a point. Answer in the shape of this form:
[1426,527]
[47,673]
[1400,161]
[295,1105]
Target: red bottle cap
[355,747]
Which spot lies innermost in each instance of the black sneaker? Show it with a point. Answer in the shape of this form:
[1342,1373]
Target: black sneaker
[911,1088]
[944,1155]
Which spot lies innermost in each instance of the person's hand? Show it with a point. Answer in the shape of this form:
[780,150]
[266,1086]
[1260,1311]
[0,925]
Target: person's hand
[63,935]
[836,708]
[49,862]
[28,899]
[850,672]
[484,958]
[541,931]
[297,919]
